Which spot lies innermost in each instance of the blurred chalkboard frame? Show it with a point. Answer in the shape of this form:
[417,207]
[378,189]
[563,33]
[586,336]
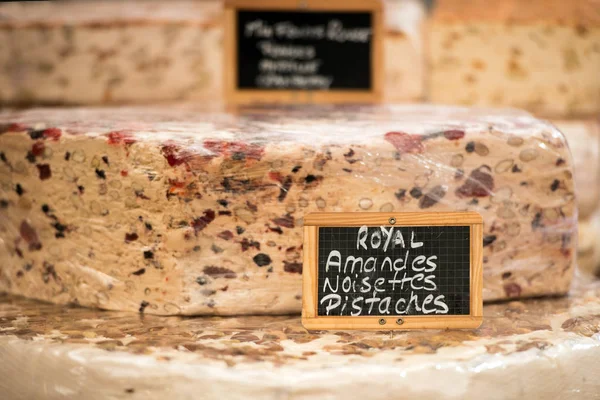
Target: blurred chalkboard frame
[234,95]
[312,223]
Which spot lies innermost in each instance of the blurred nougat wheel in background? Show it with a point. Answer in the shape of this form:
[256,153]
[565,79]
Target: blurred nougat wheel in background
[541,55]
[109,52]
[98,52]
[403,50]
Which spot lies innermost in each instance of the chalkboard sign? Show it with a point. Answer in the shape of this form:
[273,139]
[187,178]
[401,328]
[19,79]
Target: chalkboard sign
[303,51]
[386,271]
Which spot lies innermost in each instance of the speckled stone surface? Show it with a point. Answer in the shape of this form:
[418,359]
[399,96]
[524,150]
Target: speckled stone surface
[545,348]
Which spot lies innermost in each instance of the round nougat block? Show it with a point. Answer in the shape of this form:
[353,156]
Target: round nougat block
[544,348]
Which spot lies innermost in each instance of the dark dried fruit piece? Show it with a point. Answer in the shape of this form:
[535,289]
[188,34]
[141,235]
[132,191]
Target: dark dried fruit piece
[246,244]
[130,237]
[251,206]
[29,234]
[36,134]
[555,184]
[537,221]
[488,239]
[292,267]
[433,196]
[400,194]
[275,229]
[48,272]
[60,229]
[143,306]
[100,173]
[287,221]
[139,272]
[416,192]
[148,255]
[201,222]
[470,147]
[219,272]
[262,259]
[30,157]
[285,187]
[44,171]
[479,184]
[226,235]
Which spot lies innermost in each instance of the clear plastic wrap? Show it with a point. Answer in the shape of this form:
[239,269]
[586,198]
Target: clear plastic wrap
[583,137]
[184,210]
[101,52]
[541,349]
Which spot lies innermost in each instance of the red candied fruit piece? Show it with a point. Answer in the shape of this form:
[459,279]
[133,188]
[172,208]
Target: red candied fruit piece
[52,133]
[454,134]
[404,142]
[15,127]
[124,173]
[44,171]
[120,138]
[229,149]
[201,222]
[174,155]
[276,176]
[38,149]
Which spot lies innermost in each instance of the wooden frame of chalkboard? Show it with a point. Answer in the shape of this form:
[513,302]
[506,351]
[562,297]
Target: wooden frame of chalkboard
[469,319]
[235,94]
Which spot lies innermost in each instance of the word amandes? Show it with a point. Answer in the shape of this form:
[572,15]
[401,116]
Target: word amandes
[386,284]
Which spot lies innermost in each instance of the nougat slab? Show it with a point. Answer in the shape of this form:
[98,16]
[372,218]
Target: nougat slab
[186,210]
[103,52]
